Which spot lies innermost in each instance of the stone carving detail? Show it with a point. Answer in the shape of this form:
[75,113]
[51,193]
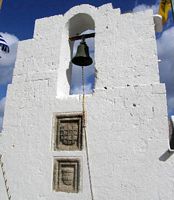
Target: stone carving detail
[68,132]
[66,175]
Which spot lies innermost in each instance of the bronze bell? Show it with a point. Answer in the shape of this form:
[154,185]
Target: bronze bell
[82,57]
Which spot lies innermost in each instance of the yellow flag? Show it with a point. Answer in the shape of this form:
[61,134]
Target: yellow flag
[1,3]
[165,6]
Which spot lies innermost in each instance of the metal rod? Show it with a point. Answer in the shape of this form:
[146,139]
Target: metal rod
[84,36]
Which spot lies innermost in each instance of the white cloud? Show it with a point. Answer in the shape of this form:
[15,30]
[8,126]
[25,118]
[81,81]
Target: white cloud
[171,104]
[76,83]
[143,7]
[2,106]
[1,120]
[165,47]
[7,60]
[79,89]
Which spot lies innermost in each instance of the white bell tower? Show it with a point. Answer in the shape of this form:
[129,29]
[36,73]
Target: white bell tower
[43,140]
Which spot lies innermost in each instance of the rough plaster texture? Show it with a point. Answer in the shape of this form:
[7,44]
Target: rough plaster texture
[127,126]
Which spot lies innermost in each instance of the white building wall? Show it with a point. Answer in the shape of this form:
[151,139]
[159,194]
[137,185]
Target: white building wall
[127,126]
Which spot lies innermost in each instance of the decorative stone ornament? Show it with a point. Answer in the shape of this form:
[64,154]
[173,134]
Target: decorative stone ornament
[66,175]
[68,132]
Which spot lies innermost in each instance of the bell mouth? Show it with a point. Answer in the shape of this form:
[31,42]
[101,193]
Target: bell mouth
[82,61]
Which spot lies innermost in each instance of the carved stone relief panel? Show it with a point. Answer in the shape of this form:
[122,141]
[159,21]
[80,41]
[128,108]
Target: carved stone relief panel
[66,175]
[68,132]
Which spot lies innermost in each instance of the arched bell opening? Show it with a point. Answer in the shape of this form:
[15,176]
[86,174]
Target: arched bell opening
[70,75]
[81,24]
[89,70]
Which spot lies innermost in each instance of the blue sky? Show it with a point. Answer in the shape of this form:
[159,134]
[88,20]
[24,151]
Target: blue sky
[17,20]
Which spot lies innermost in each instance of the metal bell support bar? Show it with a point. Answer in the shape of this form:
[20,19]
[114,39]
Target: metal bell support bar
[80,37]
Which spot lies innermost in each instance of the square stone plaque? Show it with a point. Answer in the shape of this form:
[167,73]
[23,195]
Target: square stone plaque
[66,175]
[68,132]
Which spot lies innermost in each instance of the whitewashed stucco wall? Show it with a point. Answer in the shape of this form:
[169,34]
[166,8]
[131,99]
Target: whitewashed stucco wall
[127,125]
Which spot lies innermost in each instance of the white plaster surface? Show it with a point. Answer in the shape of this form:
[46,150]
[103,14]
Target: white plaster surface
[127,126]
